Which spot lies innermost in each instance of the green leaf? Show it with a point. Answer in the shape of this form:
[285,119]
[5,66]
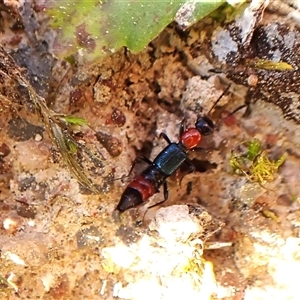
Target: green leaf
[271,65]
[281,160]
[73,120]
[72,147]
[254,148]
[97,28]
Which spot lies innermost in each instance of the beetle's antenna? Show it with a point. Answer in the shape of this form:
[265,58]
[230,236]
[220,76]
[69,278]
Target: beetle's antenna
[231,113]
[218,100]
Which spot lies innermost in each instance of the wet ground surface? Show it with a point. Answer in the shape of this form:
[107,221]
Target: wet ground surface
[57,237]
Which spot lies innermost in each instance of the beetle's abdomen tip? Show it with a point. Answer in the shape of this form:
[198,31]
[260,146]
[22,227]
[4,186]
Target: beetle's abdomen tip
[130,198]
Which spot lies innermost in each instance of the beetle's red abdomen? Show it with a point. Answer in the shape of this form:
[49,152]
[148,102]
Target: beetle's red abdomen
[137,192]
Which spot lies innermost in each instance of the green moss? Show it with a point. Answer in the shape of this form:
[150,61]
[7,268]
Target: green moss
[254,163]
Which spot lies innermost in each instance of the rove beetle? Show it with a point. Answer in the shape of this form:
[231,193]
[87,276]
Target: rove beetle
[167,162]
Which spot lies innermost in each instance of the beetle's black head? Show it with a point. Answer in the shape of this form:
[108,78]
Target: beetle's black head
[130,198]
[205,125]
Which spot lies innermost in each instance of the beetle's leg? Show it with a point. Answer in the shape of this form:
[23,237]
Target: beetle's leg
[166,191]
[181,130]
[139,158]
[166,195]
[200,149]
[191,169]
[165,137]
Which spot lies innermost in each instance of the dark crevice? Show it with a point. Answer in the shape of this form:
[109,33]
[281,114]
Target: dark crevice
[168,106]
[145,150]
[203,165]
